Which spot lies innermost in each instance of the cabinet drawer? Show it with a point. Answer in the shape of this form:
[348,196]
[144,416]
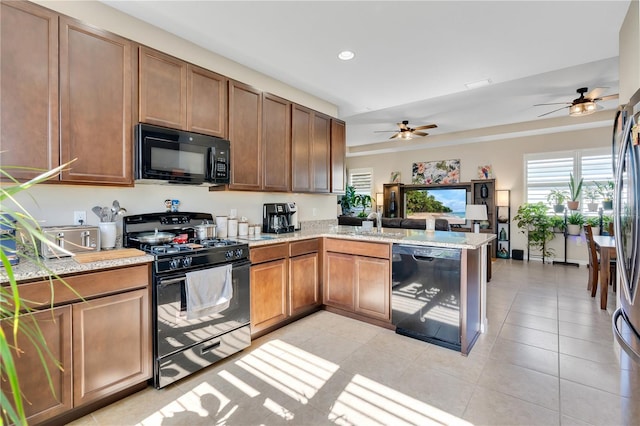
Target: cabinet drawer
[269,252]
[381,250]
[297,248]
[41,293]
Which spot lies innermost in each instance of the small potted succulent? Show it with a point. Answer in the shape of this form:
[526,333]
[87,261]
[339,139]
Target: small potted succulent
[557,198]
[574,222]
[591,193]
[606,190]
[575,188]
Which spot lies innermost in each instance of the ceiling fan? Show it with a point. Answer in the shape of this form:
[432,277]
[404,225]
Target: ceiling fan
[582,105]
[406,132]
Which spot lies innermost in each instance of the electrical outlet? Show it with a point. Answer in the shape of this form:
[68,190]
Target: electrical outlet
[79,217]
[314,212]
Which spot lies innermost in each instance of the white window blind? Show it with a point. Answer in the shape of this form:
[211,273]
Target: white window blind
[361,180]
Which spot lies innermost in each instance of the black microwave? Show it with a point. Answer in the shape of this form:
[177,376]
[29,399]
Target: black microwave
[165,155]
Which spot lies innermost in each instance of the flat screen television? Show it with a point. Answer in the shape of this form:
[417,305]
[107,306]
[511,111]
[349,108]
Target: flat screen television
[437,203]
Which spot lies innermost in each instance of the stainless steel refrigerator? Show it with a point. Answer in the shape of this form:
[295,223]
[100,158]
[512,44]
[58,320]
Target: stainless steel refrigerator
[626,151]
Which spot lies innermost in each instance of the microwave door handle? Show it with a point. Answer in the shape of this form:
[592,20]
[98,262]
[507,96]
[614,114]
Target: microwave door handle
[212,164]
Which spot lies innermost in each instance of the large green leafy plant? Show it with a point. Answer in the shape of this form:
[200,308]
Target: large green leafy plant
[11,305]
[532,219]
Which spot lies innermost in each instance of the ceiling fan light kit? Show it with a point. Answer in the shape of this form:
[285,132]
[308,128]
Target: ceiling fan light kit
[583,105]
[584,108]
[407,133]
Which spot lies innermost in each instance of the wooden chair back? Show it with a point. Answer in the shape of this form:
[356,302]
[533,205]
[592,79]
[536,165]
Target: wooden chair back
[592,283]
[610,230]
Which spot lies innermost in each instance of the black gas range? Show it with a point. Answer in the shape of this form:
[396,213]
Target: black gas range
[183,344]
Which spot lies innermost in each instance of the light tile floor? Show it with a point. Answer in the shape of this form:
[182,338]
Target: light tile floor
[547,358]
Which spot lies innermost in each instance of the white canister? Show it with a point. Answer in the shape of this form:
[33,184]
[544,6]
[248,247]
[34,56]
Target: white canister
[257,229]
[232,227]
[243,228]
[107,235]
[221,226]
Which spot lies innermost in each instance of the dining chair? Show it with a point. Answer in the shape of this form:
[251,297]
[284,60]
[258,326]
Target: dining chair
[594,263]
[610,230]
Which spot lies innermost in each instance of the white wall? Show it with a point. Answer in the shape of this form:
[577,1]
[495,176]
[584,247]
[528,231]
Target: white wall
[630,52]
[506,157]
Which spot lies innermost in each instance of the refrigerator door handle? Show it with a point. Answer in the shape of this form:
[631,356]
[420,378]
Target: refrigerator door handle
[619,313]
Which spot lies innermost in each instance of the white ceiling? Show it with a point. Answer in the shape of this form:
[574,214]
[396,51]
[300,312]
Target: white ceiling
[413,58]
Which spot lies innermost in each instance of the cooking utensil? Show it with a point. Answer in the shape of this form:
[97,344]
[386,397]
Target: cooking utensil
[106,214]
[205,231]
[98,211]
[154,237]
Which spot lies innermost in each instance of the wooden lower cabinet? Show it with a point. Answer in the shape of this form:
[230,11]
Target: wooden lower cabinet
[102,344]
[101,365]
[268,294]
[304,276]
[43,399]
[359,283]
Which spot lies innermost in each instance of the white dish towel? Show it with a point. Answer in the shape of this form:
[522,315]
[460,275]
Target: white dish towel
[208,291]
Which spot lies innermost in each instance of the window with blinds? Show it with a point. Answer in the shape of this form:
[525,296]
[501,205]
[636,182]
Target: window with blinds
[361,180]
[547,171]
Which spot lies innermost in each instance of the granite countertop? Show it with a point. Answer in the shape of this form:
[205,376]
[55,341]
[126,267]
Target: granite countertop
[27,269]
[466,240]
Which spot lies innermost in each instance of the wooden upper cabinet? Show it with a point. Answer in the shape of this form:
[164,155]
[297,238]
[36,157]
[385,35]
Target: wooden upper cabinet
[207,102]
[301,124]
[29,85]
[245,134]
[338,155]
[321,153]
[96,98]
[163,89]
[310,150]
[276,143]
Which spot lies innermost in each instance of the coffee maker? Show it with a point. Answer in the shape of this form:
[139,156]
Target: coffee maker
[276,218]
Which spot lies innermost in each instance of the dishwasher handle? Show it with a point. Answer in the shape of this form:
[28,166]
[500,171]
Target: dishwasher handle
[427,253]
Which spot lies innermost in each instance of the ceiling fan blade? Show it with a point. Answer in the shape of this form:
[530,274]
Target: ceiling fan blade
[397,135]
[555,103]
[427,126]
[551,112]
[608,97]
[595,93]
[403,126]
[385,131]
[419,133]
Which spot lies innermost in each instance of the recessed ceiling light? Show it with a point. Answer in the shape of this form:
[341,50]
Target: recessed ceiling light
[477,84]
[346,55]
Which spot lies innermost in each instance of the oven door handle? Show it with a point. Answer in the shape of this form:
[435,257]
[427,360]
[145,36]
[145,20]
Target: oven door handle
[164,283]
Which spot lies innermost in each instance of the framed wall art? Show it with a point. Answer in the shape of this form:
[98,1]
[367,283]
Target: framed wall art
[395,177]
[485,172]
[434,172]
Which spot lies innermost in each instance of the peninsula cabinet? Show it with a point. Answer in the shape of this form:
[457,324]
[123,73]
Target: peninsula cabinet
[67,93]
[357,277]
[179,95]
[86,337]
[310,150]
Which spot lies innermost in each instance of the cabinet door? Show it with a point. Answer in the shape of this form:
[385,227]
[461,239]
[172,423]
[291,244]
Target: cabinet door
[29,87]
[111,344]
[207,102]
[304,288]
[339,281]
[245,134]
[276,143]
[163,89]
[39,402]
[96,85]
[338,154]
[321,153]
[301,122]
[268,294]
[373,287]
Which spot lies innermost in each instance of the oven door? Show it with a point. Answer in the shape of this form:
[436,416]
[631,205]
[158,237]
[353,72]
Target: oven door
[174,332]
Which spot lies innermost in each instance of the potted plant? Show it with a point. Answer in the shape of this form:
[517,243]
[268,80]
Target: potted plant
[594,221]
[591,194]
[575,188]
[606,191]
[532,220]
[348,200]
[606,222]
[556,198]
[574,222]
[557,222]
[363,201]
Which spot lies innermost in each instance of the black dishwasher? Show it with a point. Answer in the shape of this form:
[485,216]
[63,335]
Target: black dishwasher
[425,298]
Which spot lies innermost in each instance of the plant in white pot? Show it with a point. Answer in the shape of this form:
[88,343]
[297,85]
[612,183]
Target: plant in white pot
[594,221]
[574,223]
[591,193]
[575,188]
[556,198]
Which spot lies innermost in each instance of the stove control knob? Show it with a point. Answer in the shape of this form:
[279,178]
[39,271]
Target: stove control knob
[239,252]
[229,254]
[174,263]
[186,262]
